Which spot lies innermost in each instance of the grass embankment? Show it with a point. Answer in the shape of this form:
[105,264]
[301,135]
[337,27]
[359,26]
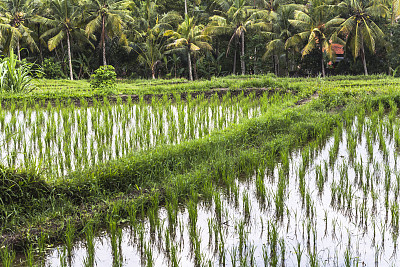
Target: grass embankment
[54,89]
[34,210]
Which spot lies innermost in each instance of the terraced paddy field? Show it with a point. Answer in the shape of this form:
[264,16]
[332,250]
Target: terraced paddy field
[305,177]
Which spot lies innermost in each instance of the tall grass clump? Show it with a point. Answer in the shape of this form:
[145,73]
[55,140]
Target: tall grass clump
[15,75]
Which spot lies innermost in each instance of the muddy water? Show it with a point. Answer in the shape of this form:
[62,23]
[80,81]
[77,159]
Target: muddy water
[358,231]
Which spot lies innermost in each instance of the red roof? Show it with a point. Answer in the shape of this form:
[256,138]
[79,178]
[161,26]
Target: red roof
[338,49]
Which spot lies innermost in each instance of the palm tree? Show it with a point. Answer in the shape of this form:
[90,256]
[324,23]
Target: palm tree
[360,30]
[190,37]
[280,31]
[317,25]
[235,19]
[110,17]
[12,24]
[63,22]
[149,32]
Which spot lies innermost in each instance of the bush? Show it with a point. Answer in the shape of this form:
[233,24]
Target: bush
[15,75]
[104,79]
[51,69]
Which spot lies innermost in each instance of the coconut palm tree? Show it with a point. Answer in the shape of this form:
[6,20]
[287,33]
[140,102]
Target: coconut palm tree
[189,37]
[63,23]
[149,29]
[317,25]
[360,30]
[109,16]
[236,17]
[280,31]
[13,24]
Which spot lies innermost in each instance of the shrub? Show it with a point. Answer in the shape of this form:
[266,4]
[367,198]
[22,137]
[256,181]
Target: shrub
[51,69]
[15,75]
[104,79]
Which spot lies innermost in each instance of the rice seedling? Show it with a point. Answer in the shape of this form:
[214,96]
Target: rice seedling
[29,256]
[7,256]
[89,237]
[69,237]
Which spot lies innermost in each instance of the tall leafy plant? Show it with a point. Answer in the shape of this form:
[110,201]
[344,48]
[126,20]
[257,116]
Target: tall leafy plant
[15,76]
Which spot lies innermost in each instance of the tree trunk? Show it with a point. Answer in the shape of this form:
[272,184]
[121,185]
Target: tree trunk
[278,66]
[153,72]
[322,63]
[196,77]
[363,60]
[18,50]
[103,40]
[275,60]
[234,63]
[69,57]
[242,55]
[186,9]
[190,66]
[255,61]
[40,44]
[287,62]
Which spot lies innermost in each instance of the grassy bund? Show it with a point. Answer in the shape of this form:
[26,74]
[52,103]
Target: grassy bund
[151,152]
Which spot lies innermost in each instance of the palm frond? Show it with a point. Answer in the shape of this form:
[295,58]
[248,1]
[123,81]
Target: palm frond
[55,41]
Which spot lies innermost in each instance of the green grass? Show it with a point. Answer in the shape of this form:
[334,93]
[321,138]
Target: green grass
[51,89]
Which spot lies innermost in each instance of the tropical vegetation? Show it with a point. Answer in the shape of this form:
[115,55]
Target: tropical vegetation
[163,39]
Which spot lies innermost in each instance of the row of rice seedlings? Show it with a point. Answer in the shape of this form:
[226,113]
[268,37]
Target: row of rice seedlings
[62,138]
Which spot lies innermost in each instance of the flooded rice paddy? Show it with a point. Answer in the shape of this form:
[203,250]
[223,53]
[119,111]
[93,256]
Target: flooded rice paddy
[334,204]
[63,138]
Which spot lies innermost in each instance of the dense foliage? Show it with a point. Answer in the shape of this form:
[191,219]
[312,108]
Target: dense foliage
[203,38]
[104,79]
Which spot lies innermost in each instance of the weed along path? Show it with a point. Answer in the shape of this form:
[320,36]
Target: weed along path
[281,184]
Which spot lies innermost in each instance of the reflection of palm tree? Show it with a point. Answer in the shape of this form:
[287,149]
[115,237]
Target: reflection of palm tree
[360,30]
[63,23]
[108,16]
[16,13]
[316,24]
[191,38]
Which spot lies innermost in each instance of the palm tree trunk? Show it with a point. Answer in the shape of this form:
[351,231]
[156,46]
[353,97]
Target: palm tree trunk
[242,55]
[275,59]
[18,50]
[190,66]
[186,10]
[103,40]
[278,67]
[322,63]
[153,71]
[287,62]
[196,77]
[255,61]
[69,57]
[234,63]
[363,60]
[40,43]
